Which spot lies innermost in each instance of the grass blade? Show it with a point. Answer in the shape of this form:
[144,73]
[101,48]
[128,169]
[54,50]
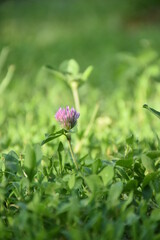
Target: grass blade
[155,112]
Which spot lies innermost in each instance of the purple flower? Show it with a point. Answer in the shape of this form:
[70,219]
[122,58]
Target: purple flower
[67,118]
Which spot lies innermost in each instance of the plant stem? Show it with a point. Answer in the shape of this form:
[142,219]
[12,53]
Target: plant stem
[71,150]
[74,88]
[88,129]
[3,57]
[7,78]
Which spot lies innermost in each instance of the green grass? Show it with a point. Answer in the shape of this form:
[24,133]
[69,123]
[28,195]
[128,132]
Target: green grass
[42,196]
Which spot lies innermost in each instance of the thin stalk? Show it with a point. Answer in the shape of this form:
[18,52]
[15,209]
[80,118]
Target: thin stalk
[88,129]
[71,151]
[75,93]
[3,57]
[93,117]
[7,79]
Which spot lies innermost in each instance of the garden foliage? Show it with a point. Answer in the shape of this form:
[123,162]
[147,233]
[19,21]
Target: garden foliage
[43,195]
[98,175]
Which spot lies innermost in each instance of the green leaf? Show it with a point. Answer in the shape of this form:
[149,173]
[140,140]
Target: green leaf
[128,201]
[60,149]
[52,136]
[38,153]
[122,172]
[157,197]
[63,207]
[148,178]
[155,112]
[156,183]
[153,154]
[58,75]
[139,169]
[114,193]
[96,165]
[148,164]
[107,174]
[30,162]
[87,73]
[131,218]
[69,66]
[71,181]
[147,192]
[49,139]
[11,162]
[83,158]
[127,163]
[30,157]
[155,215]
[89,162]
[78,183]
[131,185]
[93,181]
[130,139]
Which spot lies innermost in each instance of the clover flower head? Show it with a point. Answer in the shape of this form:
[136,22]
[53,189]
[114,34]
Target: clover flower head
[67,117]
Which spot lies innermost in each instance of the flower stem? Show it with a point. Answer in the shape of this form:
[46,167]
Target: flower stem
[71,150]
[75,93]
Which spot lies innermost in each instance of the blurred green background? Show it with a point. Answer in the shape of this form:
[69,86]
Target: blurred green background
[119,38]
